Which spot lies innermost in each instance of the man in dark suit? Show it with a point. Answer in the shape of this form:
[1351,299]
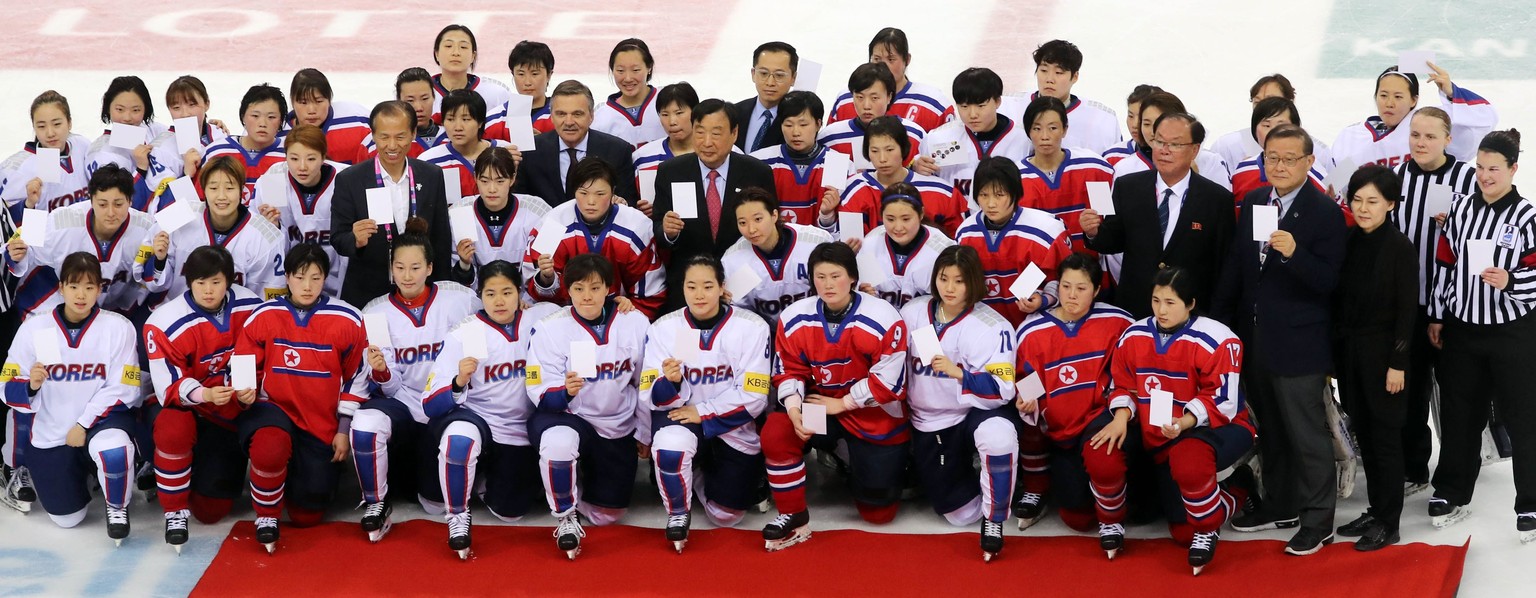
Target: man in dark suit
[718,177]
[1277,296]
[1170,216]
[543,170]
[415,189]
[774,66]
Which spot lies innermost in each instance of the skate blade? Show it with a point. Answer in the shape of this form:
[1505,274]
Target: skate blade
[799,536]
[271,548]
[1449,520]
[1198,570]
[464,554]
[678,545]
[118,542]
[378,534]
[573,553]
[1025,524]
[1527,537]
[178,549]
[1112,553]
[986,557]
[21,506]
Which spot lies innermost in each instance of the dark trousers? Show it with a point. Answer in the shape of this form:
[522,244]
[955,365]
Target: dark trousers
[1300,478]
[1423,359]
[1479,364]
[1378,418]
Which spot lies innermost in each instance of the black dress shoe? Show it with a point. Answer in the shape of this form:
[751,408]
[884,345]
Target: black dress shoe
[1376,538]
[1358,527]
[1308,541]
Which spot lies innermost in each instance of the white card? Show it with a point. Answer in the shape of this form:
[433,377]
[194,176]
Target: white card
[1479,255]
[188,137]
[172,217]
[860,163]
[685,346]
[925,342]
[377,326]
[813,417]
[47,167]
[1030,387]
[1437,199]
[520,122]
[741,282]
[453,188]
[1338,178]
[1415,61]
[685,200]
[46,346]
[547,241]
[584,358]
[807,75]
[1160,412]
[183,189]
[242,372]
[381,206]
[871,270]
[1101,198]
[834,170]
[127,136]
[34,227]
[1027,283]
[1266,220]
[472,340]
[647,182]
[273,191]
[850,225]
[462,221]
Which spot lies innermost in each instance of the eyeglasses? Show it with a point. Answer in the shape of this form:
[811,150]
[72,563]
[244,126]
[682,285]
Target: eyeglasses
[775,76]
[1160,144]
[1272,160]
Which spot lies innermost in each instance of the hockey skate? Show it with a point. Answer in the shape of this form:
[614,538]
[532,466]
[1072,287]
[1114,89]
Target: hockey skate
[568,535]
[16,489]
[677,530]
[1525,523]
[458,534]
[145,480]
[176,528]
[1030,509]
[991,539]
[1202,550]
[1111,538]
[266,533]
[117,524]
[376,520]
[787,530]
[1443,514]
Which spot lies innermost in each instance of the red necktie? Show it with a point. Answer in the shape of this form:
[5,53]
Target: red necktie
[712,198]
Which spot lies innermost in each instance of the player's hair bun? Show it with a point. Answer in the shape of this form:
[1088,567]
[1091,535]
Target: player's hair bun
[416,225]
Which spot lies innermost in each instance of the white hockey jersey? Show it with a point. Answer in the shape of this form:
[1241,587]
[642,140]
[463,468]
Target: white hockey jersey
[103,153]
[906,277]
[608,401]
[19,169]
[69,231]
[455,164]
[255,244]
[1090,125]
[638,127]
[504,237]
[955,148]
[305,217]
[99,374]
[980,341]
[497,391]
[728,382]
[784,273]
[416,336]
[1472,117]
[495,93]
[165,161]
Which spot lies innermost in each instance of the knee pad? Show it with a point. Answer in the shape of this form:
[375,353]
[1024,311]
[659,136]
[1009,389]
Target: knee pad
[372,421]
[70,520]
[560,443]
[722,516]
[1192,463]
[432,507]
[302,517]
[997,436]
[877,514]
[175,432]
[504,518]
[112,450]
[878,497]
[1081,520]
[674,438]
[965,515]
[1181,532]
[270,449]
[600,516]
[780,442]
[208,510]
[460,453]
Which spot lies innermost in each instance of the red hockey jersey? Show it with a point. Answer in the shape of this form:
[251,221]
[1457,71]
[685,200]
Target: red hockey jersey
[189,349]
[798,187]
[1073,362]
[1064,193]
[1199,363]
[1030,237]
[861,359]
[309,362]
[256,163]
[923,104]
[942,204]
[624,238]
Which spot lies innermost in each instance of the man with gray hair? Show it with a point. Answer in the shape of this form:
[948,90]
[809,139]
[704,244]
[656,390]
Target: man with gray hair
[543,171]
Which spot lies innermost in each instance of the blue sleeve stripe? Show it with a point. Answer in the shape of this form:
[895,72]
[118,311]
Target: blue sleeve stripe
[663,392]
[725,422]
[439,403]
[981,384]
[16,394]
[556,400]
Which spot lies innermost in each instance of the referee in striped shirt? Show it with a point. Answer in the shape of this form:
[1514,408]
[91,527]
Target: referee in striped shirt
[1486,332]
[1429,180]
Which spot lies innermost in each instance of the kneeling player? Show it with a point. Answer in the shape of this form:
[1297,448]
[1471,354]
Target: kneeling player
[82,398]
[590,418]
[844,352]
[1069,346]
[419,315]
[471,399]
[1179,368]
[704,401]
[960,399]
[189,339]
[309,352]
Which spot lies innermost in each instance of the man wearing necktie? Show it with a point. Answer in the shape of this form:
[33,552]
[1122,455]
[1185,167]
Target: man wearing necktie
[774,67]
[717,177]
[545,170]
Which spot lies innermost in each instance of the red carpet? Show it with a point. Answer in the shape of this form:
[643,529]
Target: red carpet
[336,559]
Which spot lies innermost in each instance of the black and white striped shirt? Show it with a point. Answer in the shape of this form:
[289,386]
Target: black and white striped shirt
[1412,218]
[1460,292]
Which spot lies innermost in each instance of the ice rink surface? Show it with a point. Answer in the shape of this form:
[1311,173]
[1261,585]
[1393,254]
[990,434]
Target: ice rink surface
[1207,52]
